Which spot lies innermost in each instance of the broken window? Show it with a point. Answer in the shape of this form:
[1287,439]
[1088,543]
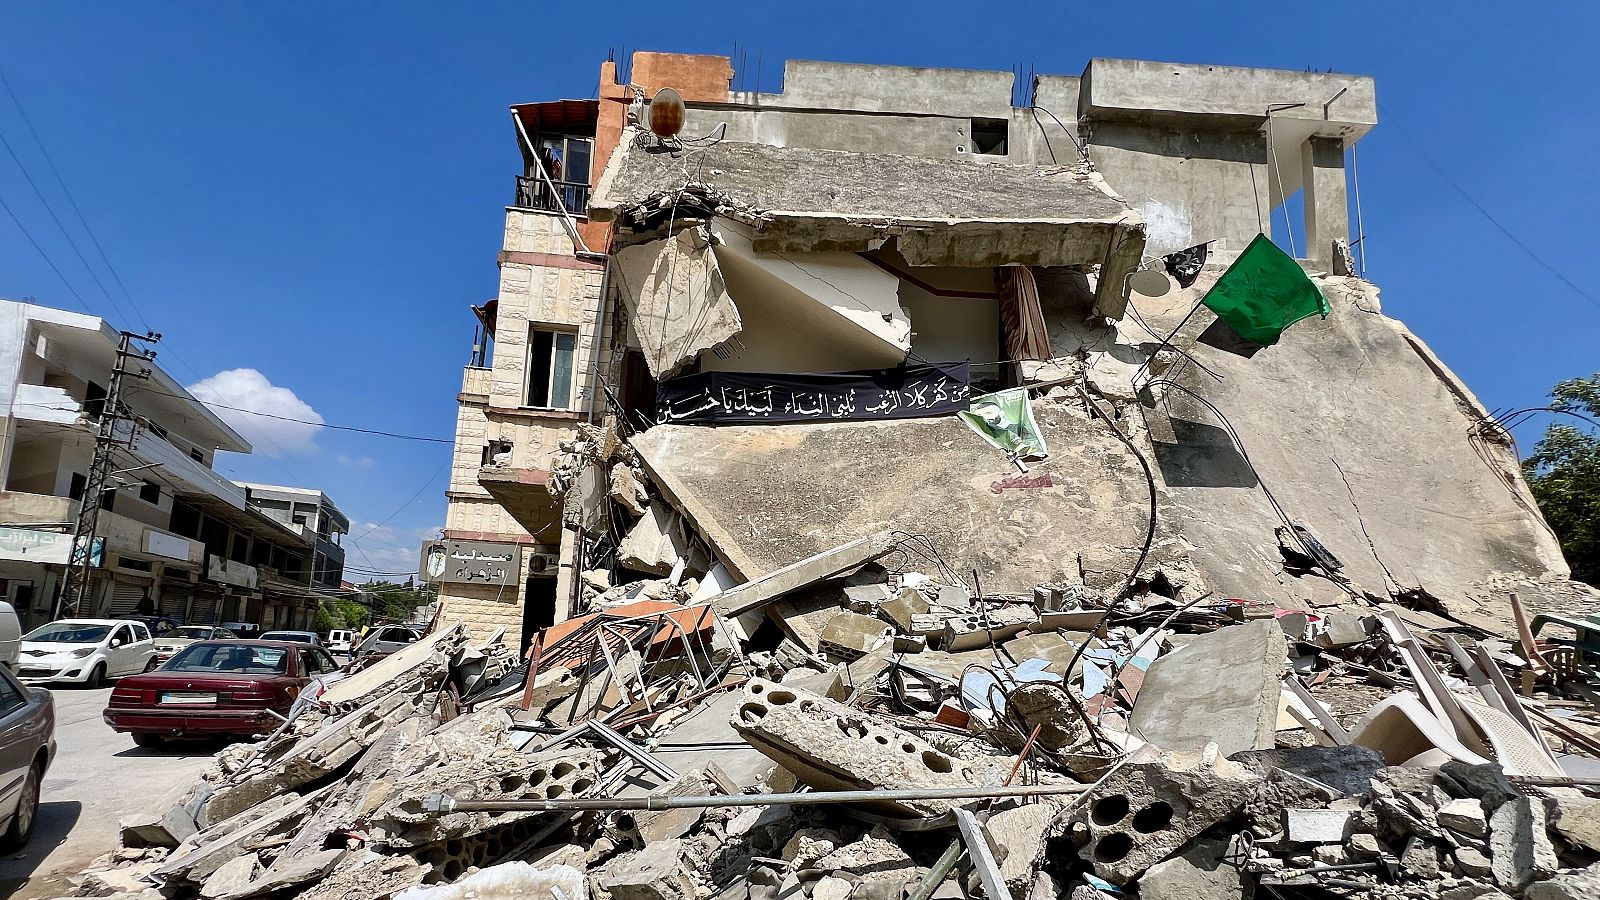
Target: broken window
[550,367]
[497,453]
[989,136]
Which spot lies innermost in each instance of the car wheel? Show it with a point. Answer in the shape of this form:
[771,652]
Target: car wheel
[149,741]
[97,676]
[151,665]
[27,810]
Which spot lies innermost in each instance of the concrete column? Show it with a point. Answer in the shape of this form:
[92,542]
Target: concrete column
[567,575]
[1327,209]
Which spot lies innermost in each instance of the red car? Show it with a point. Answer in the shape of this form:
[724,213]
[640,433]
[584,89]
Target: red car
[216,688]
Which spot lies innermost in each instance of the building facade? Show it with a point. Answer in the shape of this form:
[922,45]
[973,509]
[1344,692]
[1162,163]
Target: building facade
[314,516]
[174,537]
[851,216]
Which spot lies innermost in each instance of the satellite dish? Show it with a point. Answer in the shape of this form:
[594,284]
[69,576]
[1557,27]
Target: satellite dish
[666,113]
[1150,283]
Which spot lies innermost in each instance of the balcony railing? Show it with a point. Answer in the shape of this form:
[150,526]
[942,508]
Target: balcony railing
[535,193]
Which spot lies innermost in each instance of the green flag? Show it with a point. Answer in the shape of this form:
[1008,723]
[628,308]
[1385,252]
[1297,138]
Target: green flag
[1263,293]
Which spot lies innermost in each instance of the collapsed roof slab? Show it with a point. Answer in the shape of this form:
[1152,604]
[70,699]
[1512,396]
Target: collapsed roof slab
[766,496]
[943,212]
[1363,436]
[678,304]
[848,308]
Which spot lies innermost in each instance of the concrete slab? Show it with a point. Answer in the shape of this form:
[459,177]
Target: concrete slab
[1221,688]
[1403,495]
[766,496]
[677,302]
[806,199]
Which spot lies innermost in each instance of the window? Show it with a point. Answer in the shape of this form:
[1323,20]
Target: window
[76,486]
[157,430]
[497,453]
[566,159]
[94,399]
[12,696]
[989,136]
[197,456]
[314,662]
[108,497]
[150,492]
[123,634]
[140,633]
[550,367]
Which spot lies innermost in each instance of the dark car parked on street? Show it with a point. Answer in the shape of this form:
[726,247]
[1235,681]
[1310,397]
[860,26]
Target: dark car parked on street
[27,746]
[216,688]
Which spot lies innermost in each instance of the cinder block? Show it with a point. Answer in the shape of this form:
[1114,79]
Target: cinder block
[1155,805]
[831,746]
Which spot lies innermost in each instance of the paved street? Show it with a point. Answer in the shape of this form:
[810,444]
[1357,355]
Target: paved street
[98,777]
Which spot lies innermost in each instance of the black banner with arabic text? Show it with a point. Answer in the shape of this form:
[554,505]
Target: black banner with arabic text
[746,398]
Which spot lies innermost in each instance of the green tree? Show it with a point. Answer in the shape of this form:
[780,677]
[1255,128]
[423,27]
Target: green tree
[352,614]
[395,602]
[1564,472]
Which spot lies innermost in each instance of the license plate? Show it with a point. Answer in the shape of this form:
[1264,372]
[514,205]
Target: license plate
[179,698]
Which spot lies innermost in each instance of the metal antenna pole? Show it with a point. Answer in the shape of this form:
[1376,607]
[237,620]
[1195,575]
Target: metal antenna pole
[76,589]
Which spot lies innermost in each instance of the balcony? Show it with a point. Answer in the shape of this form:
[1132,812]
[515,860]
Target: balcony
[475,381]
[186,475]
[123,536]
[535,193]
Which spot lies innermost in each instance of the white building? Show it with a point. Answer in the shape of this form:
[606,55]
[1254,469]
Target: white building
[174,537]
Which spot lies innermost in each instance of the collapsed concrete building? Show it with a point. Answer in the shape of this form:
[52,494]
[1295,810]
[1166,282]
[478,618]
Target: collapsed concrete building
[871,494]
[866,218]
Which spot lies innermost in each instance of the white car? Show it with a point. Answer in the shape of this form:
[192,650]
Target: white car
[341,640]
[385,640]
[168,645]
[86,651]
[10,636]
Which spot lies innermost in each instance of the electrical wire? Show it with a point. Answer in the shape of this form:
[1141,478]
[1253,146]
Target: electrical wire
[51,210]
[45,256]
[256,412]
[1416,145]
[72,201]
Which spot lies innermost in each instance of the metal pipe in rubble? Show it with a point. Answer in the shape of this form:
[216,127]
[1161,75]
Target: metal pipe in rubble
[442,804]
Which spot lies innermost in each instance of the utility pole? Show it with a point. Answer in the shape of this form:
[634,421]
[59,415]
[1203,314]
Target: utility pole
[76,589]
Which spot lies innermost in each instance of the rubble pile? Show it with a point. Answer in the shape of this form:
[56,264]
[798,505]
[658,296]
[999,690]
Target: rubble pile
[866,724]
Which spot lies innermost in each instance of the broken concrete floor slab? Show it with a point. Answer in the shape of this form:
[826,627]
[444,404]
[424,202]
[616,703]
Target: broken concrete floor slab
[1220,688]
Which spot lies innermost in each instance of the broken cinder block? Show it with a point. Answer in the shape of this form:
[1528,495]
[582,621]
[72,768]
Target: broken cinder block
[831,746]
[1156,804]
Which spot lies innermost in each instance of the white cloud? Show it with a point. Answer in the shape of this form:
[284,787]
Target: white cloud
[356,462]
[248,389]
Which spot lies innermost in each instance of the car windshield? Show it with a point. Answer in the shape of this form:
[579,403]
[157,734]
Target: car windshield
[302,637]
[242,659]
[191,632]
[69,633]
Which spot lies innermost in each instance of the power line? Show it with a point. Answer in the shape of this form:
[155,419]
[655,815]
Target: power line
[48,261]
[72,201]
[1490,216]
[60,227]
[267,415]
[402,506]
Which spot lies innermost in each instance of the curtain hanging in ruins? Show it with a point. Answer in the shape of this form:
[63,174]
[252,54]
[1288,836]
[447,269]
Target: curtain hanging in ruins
[1020,316]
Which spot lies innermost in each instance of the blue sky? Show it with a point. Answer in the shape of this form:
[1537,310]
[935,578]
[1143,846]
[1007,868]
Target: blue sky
[313,191]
